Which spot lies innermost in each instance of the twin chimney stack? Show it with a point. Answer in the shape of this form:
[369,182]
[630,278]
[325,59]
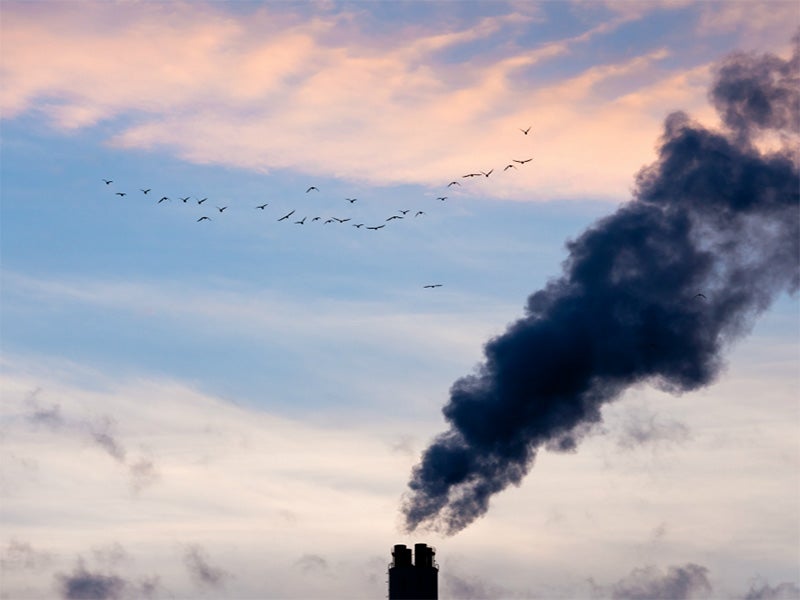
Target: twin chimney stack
[417,581]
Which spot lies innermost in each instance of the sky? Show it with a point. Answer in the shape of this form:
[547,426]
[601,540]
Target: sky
[234,407]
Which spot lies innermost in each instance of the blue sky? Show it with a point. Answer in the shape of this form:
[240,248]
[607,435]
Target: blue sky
[250,395]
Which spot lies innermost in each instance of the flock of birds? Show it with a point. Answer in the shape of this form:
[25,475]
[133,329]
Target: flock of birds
[399,215]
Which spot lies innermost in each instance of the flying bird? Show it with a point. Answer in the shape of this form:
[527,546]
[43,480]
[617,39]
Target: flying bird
[489,173]
[522,162]
[185,200]
[433,285]
[419,212]
[442,198]
[405,212]
[378,227]
[698,295]
[525,131]
[203,219]
[315,219]
[221,208]
[452,183]
[358,225]
[328,221]
[472,175]
[121,194]
[394,217]
[144,191]
[108,181]
[351,200]
[201,201]
[162,199]
[263,206]
[286,216]
[301,221]
[511,166]
[341,220]
[312,188]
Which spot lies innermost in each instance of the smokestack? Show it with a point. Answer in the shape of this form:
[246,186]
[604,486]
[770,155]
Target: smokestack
[413,582]
[652,293]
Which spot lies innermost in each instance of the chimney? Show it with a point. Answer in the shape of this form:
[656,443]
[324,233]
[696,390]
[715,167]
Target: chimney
[418,581]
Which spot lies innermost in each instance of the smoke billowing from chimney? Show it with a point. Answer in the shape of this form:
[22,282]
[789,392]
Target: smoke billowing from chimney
[652,293]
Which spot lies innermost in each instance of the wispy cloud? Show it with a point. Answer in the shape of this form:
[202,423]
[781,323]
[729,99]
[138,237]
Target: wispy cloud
[274,89]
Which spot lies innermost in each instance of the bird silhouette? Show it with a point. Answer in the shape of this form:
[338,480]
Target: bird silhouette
[201,201]
[301,221]
[351,200]
[442,198]
[419,212]
[486,174]
[341,220]
[108,181]
[144,191]
[358,225]
[221,208]
[312,188]
[507,167]
[378,227]
[315,219]
[522,162]
[452,183]
[328,221]
[433,285]
[162,199]
[203,219]
[405,212]
[286,216]
[185,200]
[121,194]
[472,175]
[698,295]
[525,131]
[262,206]
[393,217]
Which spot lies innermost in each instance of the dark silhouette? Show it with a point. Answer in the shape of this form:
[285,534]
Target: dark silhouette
[393,217]
[301,221]
[432,285]
[619,313]
[419,212]
[487,173]
[507,167]
[312,188]
[351,200]
[203,219]
[286,216]
[221,208]
[522,162]
[121,194]
[202,200]
[262,206]
[452,183]
[417,581]
[162,199]
[185,200]
[145,192]
[378,227]
[525,131]
[442,198]
[108,181]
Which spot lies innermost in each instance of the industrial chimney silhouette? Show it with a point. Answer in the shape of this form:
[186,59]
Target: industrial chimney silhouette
[418,581]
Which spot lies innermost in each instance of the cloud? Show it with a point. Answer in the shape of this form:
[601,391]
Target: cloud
[273,89]
[678,583]
[640,429]
[202,571]
[20,555]
[312,563]
[764,591]
[144,473]
[82,584]
[101,431]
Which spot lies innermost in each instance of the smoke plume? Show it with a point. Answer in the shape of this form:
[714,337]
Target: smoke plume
[654,292]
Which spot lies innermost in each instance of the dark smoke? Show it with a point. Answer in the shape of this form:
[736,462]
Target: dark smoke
[652,293]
